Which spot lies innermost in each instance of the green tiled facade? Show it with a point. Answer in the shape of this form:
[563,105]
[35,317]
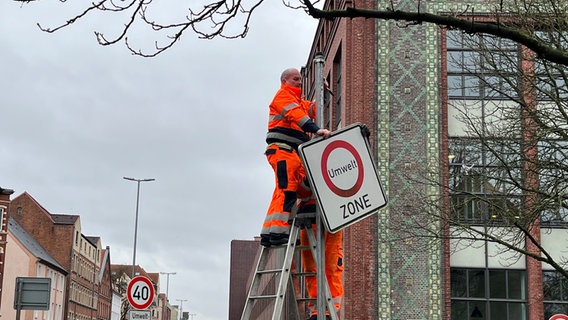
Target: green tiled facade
[409,134]
[410,282]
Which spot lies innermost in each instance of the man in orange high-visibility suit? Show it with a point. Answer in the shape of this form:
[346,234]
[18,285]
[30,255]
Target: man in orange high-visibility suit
[289,125]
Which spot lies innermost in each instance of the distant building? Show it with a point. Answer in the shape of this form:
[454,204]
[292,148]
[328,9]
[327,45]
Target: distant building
[4,210]
[243,259]
[165,307]
[116,306]
[81,256]
[105,289]
[27,258]
[160,309]
[175,312]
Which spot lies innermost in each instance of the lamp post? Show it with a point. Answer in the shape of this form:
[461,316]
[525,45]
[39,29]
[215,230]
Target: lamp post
[181,308]
[168,283]
[136,221]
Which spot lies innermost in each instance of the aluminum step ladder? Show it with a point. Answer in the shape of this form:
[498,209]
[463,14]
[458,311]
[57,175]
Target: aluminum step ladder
[274,272]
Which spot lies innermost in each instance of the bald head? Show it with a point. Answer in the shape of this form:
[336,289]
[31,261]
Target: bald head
[292,77]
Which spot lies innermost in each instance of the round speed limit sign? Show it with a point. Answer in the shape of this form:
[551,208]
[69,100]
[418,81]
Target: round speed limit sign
[140,292]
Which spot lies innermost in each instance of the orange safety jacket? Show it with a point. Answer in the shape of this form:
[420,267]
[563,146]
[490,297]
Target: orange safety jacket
[290,118]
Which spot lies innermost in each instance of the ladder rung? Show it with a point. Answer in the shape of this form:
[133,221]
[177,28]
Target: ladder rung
[269,271]
[306,299]
[283,276]
[300,274]
[271,296]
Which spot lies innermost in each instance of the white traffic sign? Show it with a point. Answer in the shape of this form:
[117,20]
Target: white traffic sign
[343,177]
[139,315]
[140,292]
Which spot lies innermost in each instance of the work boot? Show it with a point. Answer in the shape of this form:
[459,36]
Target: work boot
[277,239]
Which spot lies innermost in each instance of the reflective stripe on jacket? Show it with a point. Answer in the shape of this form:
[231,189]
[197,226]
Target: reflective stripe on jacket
[289,117]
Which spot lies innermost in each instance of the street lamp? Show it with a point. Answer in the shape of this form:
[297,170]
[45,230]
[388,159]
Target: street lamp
[136,221]
[168,283]
[181,308]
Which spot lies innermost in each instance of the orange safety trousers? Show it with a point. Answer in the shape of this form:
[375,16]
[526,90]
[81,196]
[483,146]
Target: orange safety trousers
[333,243]
[288,173]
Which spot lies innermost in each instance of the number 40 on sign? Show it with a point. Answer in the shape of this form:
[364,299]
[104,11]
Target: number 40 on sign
[140,292]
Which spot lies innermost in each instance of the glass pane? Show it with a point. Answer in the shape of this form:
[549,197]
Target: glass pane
[471,86]
[476,284]
[564,287]
[477,311]
[498,284]
[499,310]
[455,86]
[454,39]
[517,285]
[561,87]
[471,61]
[517,311]
[455,62]
[551,286]
[459,310]
[551,309]
[458,283]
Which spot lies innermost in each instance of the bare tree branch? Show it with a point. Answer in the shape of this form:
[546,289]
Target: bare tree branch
[213,19]
[463,21]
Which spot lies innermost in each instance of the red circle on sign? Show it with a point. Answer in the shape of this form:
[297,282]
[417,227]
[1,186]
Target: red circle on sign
[559,317]
[335,189]
[143,294]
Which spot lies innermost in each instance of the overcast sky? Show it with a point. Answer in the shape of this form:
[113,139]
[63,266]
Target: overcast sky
[77,117]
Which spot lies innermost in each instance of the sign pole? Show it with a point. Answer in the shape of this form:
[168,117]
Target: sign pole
[319,64]
[19,286]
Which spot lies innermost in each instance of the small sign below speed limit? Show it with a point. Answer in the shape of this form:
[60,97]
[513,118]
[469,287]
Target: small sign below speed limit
[140,292]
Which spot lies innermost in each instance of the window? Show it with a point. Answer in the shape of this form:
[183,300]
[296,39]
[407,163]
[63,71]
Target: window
[337,89]
[552,165]
[551,77]
[326,107]
[482,185]
[472,75]
[2,210]
[555,291]
[488,294]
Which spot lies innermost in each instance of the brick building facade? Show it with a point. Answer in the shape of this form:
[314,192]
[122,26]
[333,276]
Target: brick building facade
[27,258]
[243,256]
[78,254]
[394,79]
[4,210]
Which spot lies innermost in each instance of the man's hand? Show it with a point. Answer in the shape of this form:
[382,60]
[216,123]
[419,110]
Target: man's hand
[323,133]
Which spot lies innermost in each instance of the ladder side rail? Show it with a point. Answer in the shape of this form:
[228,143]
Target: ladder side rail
[253,289]
[295,312]
[285,274]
